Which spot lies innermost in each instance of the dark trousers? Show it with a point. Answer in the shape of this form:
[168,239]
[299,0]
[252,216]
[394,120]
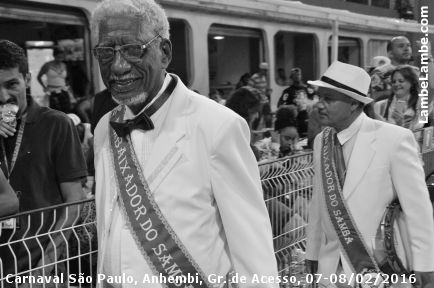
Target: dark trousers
[60,101]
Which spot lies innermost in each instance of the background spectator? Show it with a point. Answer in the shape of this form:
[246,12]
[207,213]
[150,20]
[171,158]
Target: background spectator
[296,90]
[102,103]
[48,170]
[260,79]
[399,52]
[84,108]
[286,126]
[377,61]
[55,85]
[402,106]
[282,79]
[297,94]
[86,140]
[246,102]
[217,97]
[260,82]
[244,80]
[312,97]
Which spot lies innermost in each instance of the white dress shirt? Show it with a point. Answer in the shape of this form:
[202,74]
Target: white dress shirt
[348,136]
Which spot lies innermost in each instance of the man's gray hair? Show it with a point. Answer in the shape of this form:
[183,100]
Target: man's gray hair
[149,12]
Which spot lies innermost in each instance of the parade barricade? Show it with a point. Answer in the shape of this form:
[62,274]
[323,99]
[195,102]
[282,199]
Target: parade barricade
[286,182]
[287,185]
[58,243]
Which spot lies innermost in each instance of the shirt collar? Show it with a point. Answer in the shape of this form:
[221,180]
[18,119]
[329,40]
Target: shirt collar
[130,115]
[349,132]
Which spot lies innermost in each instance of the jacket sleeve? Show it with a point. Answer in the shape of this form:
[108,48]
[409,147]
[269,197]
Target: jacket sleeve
[314,232]
[408,180]
[237,189]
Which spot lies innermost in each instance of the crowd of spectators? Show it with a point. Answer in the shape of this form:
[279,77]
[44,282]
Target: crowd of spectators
[403,104]
[394,88]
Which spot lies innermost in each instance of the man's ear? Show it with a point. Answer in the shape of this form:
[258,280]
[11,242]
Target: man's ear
[27,79]
[166,49]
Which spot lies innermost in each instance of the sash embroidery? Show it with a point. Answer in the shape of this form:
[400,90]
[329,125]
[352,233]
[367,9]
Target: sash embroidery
[353,247]
[155,238]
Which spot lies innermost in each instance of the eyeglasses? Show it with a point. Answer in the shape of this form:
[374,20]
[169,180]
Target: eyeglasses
[131,52]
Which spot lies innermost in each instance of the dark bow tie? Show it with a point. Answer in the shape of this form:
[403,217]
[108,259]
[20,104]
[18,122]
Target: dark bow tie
[143,120]
[123,128]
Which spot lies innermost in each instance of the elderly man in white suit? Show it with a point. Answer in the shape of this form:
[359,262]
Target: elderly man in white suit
[178,190]
[378,163]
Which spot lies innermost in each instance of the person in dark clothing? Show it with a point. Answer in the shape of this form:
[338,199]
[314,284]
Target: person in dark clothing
[47,169]
[83,109]
[297,94]
[57,81]
[244,81]
[297,90]
[102,104]
[246,102]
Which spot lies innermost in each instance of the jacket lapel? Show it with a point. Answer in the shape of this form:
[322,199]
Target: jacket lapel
[167,149]
[361,157]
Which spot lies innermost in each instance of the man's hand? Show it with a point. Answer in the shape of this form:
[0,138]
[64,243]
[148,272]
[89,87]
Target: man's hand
[6,130]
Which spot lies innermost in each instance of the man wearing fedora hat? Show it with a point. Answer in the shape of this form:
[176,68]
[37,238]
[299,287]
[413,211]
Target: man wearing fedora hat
[362,165]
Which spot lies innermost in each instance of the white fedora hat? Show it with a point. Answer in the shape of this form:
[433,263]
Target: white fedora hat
[348,79]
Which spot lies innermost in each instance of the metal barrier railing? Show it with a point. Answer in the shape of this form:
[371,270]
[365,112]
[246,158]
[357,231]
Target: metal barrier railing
[287,185]
[49,244]
[58,243]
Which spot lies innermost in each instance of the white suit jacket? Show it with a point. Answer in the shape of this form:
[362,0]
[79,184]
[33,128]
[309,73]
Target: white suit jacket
[383,165]
[209,189]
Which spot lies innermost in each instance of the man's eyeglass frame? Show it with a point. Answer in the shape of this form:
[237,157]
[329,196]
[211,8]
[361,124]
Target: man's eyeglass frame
[119,49]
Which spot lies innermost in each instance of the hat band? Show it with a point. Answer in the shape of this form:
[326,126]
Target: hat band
[340,85]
